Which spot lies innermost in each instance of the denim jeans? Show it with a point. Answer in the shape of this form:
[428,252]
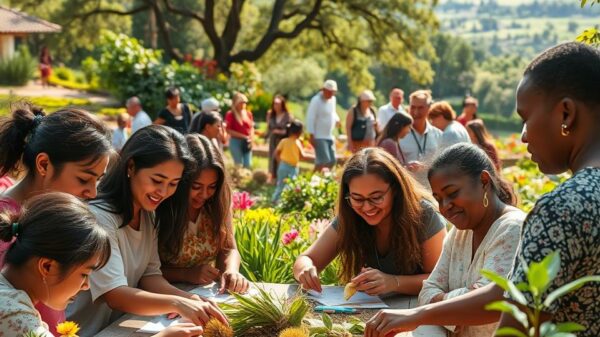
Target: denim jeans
[240,157]
[284,171]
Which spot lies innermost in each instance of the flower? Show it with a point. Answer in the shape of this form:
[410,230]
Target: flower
[67,329]
[290,236]
[242,201]
[317,227]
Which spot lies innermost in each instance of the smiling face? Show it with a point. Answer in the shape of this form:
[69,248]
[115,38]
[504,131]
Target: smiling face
[542,118]
[419,109]
[459,197]
[76,178]
[62,289]
[151,186]
[203,188]
[372,187]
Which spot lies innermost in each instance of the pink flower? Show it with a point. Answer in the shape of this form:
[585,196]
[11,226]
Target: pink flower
[317,227]
[290,236]
[241,201]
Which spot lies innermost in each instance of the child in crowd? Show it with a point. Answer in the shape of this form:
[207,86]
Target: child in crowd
[288,153]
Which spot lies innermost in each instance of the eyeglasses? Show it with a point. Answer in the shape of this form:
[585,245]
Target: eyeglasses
[373,201]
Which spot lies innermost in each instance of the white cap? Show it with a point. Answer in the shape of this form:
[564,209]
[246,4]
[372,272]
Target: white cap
[210,104]
[367,95]
[330,85]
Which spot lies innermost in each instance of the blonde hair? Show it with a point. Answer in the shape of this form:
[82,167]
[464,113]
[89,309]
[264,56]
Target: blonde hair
[422,95]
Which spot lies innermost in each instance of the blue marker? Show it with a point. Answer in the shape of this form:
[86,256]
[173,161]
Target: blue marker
[335,309]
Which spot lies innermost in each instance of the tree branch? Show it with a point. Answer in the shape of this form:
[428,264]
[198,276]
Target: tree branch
[98,10]
[233,25]
[181,11]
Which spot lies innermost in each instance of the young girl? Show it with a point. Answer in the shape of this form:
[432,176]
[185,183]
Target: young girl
[143,181]
[202,248]
[288,153]
[397,127]
[385,223]
[55,250]
[486,230]
[67,151]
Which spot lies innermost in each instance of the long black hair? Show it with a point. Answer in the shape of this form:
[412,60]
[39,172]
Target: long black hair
[67,135]
[147,147]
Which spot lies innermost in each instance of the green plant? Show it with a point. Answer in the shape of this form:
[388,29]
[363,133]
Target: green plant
[312,195]
[18,69]
[265,311]
[539,278]
[326,328]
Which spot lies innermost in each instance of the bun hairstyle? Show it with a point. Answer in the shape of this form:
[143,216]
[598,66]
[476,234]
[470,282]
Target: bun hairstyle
[470,160]
[67,232]
[67,135]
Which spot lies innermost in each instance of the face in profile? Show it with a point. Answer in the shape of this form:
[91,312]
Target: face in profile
[76,178]
[62,289]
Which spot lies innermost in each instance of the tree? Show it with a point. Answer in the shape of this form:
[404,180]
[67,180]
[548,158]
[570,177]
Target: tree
[393,32]
[592,34]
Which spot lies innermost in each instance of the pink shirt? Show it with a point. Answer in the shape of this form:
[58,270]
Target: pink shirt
[49,316]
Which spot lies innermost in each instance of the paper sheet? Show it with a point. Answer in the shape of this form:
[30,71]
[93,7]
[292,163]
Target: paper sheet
[158,324]
[212,293]
[334,296]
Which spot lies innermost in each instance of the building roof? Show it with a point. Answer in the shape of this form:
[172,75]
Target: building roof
[15,22]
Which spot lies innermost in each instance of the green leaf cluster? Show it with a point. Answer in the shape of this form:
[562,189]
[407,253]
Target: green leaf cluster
[311,195]
[18,69]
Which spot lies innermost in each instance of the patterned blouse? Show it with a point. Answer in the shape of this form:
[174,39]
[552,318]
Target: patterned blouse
[200,246]
[568,219]
[17,313]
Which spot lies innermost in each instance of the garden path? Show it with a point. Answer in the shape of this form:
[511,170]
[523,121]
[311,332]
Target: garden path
[34,89]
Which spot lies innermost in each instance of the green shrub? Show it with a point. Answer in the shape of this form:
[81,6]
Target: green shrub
[64,73]
[312,195]
[19,69]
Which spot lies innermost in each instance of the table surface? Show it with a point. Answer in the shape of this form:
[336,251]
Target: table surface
[128,325]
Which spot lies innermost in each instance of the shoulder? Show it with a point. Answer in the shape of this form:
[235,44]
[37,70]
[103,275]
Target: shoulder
[19,314]
[164,112]
[105,215]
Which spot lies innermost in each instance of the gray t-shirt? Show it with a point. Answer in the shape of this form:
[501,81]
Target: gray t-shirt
[432,222]
[455,133]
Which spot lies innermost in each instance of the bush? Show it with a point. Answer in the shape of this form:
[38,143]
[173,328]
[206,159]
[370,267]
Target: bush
[19,69]
[312,195]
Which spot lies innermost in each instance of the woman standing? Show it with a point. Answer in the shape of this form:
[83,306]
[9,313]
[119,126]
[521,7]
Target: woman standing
[240,126]
[278,118]
[361,126]
[45,66]
[176,115]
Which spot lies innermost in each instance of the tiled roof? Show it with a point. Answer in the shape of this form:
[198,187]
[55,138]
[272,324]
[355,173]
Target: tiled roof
[12,21]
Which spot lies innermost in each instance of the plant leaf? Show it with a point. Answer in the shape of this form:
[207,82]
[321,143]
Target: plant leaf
[508,331]
[511,309]
[327,321]
[505,284]
[569,287]
[569,327]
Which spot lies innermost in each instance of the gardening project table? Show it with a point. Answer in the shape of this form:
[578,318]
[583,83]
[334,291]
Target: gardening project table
[128,325]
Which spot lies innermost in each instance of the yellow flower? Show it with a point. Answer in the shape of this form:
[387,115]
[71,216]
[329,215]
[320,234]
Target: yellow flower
[67,329]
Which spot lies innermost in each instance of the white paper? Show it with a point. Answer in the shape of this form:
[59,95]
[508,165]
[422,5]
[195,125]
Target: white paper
[158,324]
[334,296]
[212,293]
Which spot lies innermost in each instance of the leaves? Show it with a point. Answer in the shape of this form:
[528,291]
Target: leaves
[569,287]
[505,284]
[508,331]
[540,274]
[513,310]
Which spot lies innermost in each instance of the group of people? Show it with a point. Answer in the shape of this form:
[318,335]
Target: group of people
[162,213]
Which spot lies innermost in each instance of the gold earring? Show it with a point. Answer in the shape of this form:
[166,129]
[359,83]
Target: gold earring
[563,130]
[486,202]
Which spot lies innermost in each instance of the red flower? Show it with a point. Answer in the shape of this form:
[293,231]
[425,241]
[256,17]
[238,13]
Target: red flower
[242,201]
[290,236]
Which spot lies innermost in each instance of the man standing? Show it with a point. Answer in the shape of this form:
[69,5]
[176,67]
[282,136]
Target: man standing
[321,119]
[422,143]
[140,117]
[386,112]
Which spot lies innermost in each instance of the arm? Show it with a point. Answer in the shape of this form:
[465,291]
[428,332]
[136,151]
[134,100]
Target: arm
[436,285]
[311,116]
[159,121]
[229,260]
[349,121]
[310,263]
[300,148]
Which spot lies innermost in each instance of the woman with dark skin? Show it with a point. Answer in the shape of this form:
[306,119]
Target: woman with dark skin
[560,107]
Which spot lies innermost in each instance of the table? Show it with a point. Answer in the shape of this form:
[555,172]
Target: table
[128,325]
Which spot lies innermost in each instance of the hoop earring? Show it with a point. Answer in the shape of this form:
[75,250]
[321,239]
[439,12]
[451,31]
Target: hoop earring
[486,202]
[563,130]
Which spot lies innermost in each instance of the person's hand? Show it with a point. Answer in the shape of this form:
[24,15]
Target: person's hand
[416,166]
[203,274]
[181,330]
[309,279]
[311,139]
[233,281]
[390,322]
[437,298]
[198,312]
[375,282]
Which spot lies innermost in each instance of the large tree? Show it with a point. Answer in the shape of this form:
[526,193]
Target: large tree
[348,33]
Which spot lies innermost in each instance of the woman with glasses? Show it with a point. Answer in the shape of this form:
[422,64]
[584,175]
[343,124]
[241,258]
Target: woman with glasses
[387,233]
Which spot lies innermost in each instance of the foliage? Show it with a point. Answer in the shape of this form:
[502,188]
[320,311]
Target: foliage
[590,35]
[294,332]
[539,278]
[326,328]
[312,195]
[265,311]
[49,103]
[18,69]
[295,78]
[530,183]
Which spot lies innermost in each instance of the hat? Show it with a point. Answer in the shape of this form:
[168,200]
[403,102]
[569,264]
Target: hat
[210,104]
[367,95]
[330,85]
